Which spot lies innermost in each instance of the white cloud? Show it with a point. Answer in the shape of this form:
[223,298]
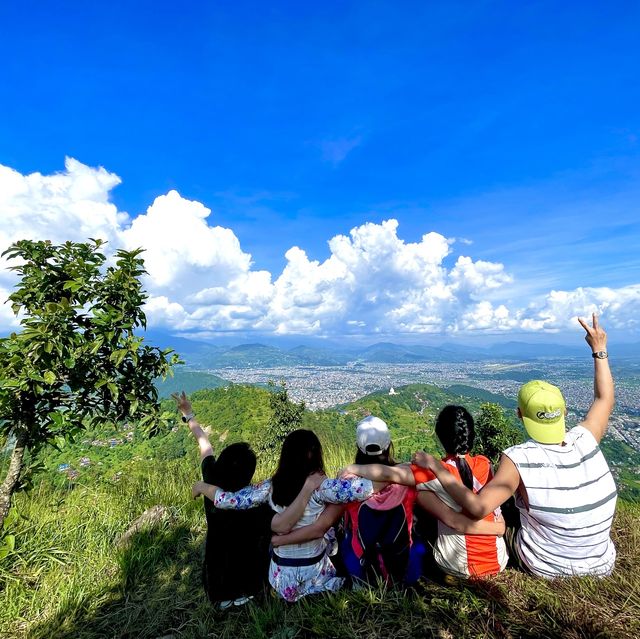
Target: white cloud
[373,282]
[161,311]
[619,308]
[8,320]
[183,254]
[373,276]
[72,205]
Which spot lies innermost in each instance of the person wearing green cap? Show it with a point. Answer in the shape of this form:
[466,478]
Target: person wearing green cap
[563,487]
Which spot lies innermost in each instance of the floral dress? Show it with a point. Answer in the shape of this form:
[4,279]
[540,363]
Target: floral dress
[294,582]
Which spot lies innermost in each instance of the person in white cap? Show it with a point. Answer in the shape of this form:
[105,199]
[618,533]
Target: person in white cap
[564,489]
[378,531]
[460,547]
[377,538]
[373,437]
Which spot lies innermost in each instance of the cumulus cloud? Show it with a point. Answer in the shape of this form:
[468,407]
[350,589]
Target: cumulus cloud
[376,282]
[183,254]
[71,205]
[373,282]
[620,308]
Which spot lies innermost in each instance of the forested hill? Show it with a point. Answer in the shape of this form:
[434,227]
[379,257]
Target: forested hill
[236,412]
[188,381]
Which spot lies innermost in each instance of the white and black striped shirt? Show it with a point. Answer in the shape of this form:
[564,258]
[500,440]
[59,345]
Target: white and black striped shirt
[572,499]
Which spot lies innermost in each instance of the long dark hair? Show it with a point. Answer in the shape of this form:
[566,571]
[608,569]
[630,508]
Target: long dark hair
[386,457]
[301,455]
[234,467]
[456,431]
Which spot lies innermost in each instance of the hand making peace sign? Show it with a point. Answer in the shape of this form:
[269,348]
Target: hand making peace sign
[595,337]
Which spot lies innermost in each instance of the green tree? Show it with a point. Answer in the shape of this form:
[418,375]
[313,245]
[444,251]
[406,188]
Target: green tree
[286,416]
[495,431]
[76,361]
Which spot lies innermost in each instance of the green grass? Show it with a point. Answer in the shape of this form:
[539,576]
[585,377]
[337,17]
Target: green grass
[68,577]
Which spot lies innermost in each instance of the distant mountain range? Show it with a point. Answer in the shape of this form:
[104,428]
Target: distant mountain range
[261,355]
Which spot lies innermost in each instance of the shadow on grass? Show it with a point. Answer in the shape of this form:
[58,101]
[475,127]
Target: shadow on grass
[157,591]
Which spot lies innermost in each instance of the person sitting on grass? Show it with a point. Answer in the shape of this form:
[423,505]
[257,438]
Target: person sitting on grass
[378,531]
[377,543]
[237,543]
[463,547]
[296,569]
[564,489]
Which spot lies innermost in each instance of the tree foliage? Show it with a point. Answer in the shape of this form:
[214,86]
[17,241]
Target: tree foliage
[495,431]
[286,416]
[76,361]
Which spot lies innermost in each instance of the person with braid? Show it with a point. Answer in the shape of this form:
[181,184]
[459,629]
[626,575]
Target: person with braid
[563,486]
[463,547]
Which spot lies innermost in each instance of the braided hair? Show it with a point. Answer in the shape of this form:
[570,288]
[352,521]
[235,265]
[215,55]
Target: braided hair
[456,431]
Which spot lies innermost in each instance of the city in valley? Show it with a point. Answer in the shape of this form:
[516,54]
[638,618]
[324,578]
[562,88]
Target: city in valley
[326,386]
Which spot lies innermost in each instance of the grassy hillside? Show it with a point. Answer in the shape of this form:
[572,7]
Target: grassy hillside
[411,413]
[70,577]
[188,381]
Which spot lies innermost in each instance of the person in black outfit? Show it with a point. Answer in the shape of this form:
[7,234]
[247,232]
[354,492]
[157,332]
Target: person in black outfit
[237,546]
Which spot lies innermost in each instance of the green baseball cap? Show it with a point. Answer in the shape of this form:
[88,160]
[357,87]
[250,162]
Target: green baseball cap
[542,407]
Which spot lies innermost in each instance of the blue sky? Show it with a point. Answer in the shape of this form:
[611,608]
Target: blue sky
[512,127]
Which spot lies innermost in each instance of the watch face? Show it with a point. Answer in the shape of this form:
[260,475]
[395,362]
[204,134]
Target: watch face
[601,354]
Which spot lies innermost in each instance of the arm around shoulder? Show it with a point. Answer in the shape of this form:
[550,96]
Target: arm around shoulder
[243,499]
[400,474]
[459,521]
[476,505]
[284,521]
[312,531]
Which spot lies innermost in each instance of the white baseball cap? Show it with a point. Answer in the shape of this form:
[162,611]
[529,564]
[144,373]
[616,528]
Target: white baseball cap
[372,435]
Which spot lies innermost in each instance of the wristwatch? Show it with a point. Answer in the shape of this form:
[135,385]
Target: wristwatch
[600,355]
[189,416]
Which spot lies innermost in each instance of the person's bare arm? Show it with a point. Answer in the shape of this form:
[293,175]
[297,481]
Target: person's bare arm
[458,521]
[400,474]
[202,488]
[597,419]
[283,522]
[479,505]
[184,406]
[313,531]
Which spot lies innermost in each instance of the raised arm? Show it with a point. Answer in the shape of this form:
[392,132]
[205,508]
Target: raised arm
[476,505]
[313,531]
[184,406]
[597,419]
[400,474]
[283,522]
[458,521]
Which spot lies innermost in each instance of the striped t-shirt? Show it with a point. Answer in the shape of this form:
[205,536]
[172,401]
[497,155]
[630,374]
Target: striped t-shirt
[458,554]
[571,502]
